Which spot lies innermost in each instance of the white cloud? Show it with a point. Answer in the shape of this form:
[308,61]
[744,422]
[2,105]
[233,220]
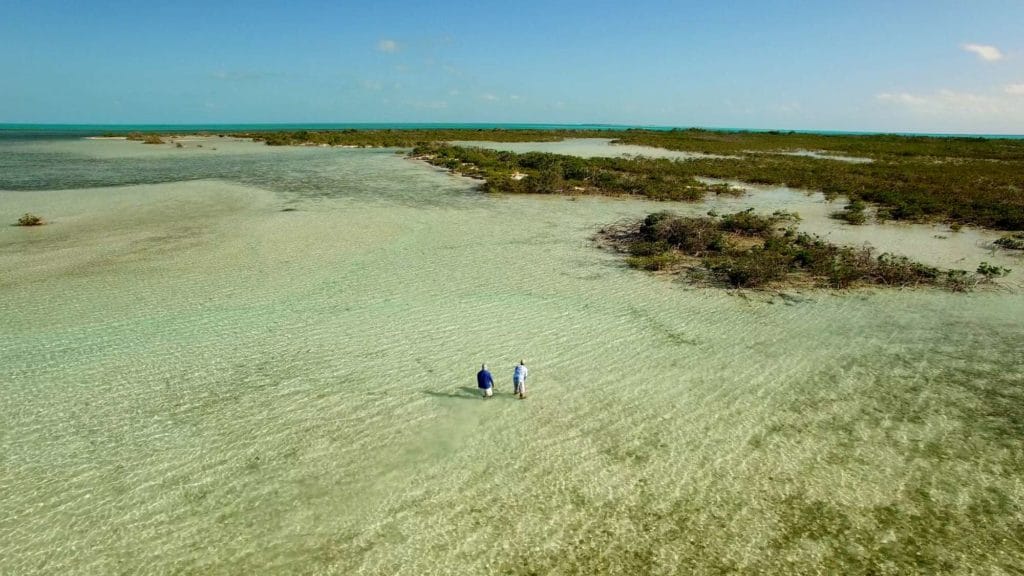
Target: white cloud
[986,53]
[902,98]
[388,46]
[489,97]
[993,111]
[949,103]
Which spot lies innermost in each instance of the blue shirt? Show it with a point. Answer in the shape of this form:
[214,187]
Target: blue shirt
[484,380]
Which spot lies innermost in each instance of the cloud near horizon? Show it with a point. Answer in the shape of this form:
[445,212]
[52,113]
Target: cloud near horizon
[985,52]
[387,46]
[948,102]
[949,110]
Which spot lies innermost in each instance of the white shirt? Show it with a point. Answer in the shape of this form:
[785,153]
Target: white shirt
[520,372]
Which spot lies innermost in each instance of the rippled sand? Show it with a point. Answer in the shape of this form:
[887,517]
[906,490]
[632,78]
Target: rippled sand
[195,381]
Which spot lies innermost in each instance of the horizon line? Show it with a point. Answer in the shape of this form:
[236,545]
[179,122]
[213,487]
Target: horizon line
[489,125]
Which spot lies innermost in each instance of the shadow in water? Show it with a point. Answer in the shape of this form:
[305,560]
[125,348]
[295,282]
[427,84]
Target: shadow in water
[464,392]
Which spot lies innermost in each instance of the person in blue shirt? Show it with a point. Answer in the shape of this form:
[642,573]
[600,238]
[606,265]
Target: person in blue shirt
[485,382]
[519,379]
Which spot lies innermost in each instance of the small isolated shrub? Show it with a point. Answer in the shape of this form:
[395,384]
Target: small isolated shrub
[960,280]
[152,139]
[30,220]
[1013,241]
[852,213]
[726,190]
[786,216]
[990,271]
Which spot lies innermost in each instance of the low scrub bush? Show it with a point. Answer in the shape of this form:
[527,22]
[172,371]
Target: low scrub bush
[749,250]
[1013,241]
[990,271]
[28,219]
[852,213]
[654,262]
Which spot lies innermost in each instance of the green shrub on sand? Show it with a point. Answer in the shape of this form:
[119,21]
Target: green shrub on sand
[750,250]
[1013,241]
[30,220]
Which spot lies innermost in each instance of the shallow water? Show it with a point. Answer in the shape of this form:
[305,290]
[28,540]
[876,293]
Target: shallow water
[824,155]
[586,148]
[195,381]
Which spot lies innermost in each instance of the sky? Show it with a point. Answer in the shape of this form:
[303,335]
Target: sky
[932,66]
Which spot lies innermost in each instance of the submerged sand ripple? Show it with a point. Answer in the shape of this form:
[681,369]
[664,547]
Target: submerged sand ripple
[214,386]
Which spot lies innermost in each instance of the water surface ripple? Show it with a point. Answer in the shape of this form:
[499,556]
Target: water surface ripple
[197,382]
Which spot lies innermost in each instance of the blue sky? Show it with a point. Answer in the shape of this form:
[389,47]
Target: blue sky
[924,66]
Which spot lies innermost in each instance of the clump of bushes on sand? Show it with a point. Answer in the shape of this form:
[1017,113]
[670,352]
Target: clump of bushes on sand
[852,213]
[750,250]
[404,138]
[145,138]
[957,180]
[543,173]
[29,219]
[1013,241]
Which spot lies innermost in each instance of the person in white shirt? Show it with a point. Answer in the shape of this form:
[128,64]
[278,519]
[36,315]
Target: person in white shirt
[519,379]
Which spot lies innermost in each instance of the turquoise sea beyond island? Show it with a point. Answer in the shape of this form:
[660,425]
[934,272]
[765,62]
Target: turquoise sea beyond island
[80,129]
[233,358]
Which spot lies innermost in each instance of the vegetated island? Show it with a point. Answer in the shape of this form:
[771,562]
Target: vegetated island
[976,181]
[749,250]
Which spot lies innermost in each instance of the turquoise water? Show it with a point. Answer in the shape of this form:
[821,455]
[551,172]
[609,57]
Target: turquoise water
[61,129]
[198,382]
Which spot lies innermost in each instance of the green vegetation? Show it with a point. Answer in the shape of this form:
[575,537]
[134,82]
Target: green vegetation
[145,138]
[852,213]
[408,138]
[28,219]
[1012,241]
[749,250]
[990,271]
[543,173]
[962,180]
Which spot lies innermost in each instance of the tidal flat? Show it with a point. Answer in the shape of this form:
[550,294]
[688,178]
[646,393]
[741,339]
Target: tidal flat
[261,360]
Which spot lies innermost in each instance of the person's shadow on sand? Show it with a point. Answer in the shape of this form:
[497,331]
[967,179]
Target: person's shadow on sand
[465,392]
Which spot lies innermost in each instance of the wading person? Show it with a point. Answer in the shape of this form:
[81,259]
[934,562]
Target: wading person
[485,382]
[519,379]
